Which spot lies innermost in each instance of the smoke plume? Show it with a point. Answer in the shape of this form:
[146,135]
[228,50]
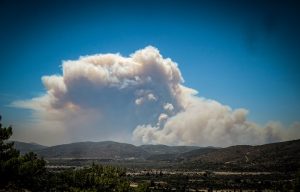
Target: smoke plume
[139,99]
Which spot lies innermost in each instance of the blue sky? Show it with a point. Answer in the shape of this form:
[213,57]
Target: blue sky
[242,54]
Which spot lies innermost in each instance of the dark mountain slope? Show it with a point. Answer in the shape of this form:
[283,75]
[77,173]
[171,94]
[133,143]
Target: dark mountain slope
[27,147]
[194,154]
[165,149]
[102,150]
[245,153]
[275,156]
[181,154]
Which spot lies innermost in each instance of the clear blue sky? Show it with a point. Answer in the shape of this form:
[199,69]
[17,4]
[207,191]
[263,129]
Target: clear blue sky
[240,53]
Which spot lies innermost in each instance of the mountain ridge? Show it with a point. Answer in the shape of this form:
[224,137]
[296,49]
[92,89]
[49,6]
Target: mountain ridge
[274,156]
[24,147]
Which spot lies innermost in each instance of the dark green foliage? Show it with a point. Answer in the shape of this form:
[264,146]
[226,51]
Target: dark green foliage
[9,157]
[31,171]
[94,178]
[18,171]
[7,151]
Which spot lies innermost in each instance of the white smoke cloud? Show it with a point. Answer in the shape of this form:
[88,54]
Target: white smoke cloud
[142,99]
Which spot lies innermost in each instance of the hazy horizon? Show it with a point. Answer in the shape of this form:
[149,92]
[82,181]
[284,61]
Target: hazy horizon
[138,145]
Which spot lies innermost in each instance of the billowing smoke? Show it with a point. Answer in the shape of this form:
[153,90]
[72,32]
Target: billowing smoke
[140,99]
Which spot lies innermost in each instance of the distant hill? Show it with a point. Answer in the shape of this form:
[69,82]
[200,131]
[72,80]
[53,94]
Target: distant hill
[195,154]
[101,150]
[275,156]
[165,149]
[168,153]
[27,147]
[246,153]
